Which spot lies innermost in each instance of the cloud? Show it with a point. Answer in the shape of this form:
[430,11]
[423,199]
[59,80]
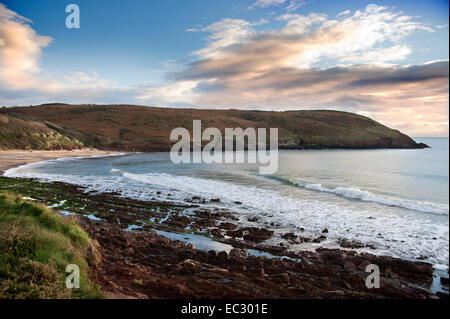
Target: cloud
[344,13]
[20,50]
[22,79]
[313,62]
[289,5]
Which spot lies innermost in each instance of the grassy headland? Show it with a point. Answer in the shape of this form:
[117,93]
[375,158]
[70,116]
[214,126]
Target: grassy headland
[16,133]
[36,245]
[140,128]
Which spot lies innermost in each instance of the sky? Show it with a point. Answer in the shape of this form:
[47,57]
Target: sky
[387,60]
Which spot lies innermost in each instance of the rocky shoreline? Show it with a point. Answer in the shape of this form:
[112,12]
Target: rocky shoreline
[147,265]
[147,252]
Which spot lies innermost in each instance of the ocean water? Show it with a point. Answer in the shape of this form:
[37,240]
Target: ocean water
[396,200]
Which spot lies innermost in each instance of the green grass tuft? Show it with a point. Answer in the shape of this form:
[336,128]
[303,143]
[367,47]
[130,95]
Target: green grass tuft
[36,245]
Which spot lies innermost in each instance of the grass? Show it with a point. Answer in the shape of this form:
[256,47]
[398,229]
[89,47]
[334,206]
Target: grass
[36,245]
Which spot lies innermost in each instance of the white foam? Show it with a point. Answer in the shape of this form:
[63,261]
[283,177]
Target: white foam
[14,172]
[366,196]
[402,235]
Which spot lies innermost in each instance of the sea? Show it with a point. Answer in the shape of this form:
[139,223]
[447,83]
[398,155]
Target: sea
[394,201]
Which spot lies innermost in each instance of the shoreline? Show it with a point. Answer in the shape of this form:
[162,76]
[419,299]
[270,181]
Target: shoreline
[129,231]
[15,158]
[243,249]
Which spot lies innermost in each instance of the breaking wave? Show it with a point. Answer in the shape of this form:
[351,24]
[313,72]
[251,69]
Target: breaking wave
[366,196]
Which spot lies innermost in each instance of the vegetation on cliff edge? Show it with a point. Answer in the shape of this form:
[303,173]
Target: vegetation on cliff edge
[36,245]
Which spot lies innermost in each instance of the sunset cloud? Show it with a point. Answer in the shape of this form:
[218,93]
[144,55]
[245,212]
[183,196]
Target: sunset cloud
[20,50]
[316,62]
[21,76]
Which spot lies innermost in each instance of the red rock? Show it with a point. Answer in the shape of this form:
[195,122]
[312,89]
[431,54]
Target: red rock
[236,253]
[349,266]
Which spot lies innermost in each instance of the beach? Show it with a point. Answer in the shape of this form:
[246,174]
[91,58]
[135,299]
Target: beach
[14,158]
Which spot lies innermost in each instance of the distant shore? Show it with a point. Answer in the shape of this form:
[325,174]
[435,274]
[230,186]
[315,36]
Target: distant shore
[14,158]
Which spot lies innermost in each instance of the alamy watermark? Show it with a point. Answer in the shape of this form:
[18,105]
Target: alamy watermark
[73,279]
[241,146]
[73,19]
[373,280]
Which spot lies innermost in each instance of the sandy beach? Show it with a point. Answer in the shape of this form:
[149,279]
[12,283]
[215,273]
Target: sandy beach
[13,158]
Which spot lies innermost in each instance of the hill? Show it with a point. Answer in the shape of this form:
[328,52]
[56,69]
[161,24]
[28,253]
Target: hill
[16,133]
[140,128]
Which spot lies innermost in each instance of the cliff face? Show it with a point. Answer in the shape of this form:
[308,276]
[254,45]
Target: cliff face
[16,133]
[139,128]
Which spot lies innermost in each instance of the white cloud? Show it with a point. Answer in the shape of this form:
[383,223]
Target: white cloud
[289,5]
[297,67]
[21,75]
[223,34]
[344,13]
[20,50]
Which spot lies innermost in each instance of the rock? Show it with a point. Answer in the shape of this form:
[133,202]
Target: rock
[238,233]
[257,272]
[289,236]
[94,256]
[344,243]
[330,256]
[388,273]
[216,233]
[325,231]
[319,239]
[303,239]
[236,253]
[363,265]
[444,281]
[191,265]
[349,266]
[257,235]
[112,284]
[280,278]
[222,255]
[237,268]
[227,226]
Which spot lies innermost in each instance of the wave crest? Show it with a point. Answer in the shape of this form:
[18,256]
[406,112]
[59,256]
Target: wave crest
[366,196]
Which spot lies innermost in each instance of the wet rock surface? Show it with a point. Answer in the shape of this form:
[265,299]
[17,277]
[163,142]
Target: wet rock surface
[136,262]
[147,265]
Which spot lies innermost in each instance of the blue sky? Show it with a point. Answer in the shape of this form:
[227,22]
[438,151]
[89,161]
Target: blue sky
[255,54]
